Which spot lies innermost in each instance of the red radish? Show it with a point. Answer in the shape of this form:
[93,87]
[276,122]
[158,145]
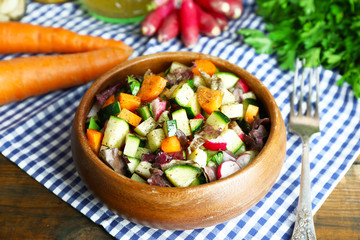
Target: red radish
[236,8]
[221,20]
[153,20]
[243,159]
[170,27]
[189,26]
[199,116]
[215,145]
[227,168]
[207,24]
[157,107]
[218,6]
[241,136]
[243,85]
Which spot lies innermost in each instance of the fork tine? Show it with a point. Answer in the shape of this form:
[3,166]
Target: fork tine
[317,75]
[301,88]
[308,110]
[296,76]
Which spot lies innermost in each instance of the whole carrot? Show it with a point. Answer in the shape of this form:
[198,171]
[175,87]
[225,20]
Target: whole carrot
[24,77]
[17,37]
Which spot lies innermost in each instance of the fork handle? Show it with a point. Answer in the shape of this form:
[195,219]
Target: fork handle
[304,224]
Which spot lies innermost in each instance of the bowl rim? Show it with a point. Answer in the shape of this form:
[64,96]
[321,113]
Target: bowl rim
[98,84]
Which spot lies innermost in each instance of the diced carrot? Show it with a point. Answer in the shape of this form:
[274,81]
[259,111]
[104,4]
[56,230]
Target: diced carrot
[204,65]
[130,117]
[109,101]
[251,112]
[94,137]
[151,87]
[171,144]
[209,100]
[128,101]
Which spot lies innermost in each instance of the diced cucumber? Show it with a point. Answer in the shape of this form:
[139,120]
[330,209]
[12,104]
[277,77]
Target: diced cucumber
[170,128]
[144,112]
[233,141]
[137,178]
[244,125]
[145,127]
[182,94]
[199,156]
[155,137]
[132,164]
[93,124]
[229,79]
[164,116]
[193,107]
[218,120]
[199,81]
[131,145]
[143,169]
[233,111]
[240,151]
[228,97]
[112,109]
[195,124]
[115,132]
[140,151]
[182,121]
[176,65]
[184,175]
[250,95]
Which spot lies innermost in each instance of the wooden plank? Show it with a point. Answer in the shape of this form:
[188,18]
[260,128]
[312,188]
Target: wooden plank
[30,211]
[339,216]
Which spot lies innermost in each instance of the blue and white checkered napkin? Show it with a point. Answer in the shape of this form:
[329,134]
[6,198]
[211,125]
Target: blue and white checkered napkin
[35,133]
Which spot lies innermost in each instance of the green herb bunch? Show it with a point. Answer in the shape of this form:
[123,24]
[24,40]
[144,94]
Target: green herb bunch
[323,32]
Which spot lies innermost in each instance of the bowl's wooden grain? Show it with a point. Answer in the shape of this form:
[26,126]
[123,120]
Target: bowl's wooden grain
[179,208]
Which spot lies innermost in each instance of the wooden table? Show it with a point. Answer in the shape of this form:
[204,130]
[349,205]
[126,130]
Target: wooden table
[30,211]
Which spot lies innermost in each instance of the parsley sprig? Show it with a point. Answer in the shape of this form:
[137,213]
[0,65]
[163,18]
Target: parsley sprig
[325,32]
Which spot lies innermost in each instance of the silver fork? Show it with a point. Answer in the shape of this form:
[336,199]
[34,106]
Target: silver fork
[304,125]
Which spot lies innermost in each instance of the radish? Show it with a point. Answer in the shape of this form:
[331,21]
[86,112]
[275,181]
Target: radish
[244,159]
[219,6]
[153,20]
[241,136]
[215,145]
[170,27]
[189,26]
[236,8]
[227,168]
[207,24]
[243,85]
[221,20]
[199,116]
[157,107]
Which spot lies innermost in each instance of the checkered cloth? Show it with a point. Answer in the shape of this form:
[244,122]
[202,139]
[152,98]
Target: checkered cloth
[35,133]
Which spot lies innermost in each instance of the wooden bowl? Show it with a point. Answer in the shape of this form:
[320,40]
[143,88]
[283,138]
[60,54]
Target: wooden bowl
[179,208]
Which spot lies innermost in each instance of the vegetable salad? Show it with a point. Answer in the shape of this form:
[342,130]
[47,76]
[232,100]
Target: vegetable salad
[187,126]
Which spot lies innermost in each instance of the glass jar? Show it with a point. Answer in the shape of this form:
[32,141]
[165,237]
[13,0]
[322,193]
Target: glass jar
[117,11]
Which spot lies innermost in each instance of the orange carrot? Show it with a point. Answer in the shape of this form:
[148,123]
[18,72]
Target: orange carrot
[17,37]
[171,144]
[251,112]
[209,100]
[204,65]
[151,87]
[24,77]
[109,101]
[130,117]
[128,101]
[94,137]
